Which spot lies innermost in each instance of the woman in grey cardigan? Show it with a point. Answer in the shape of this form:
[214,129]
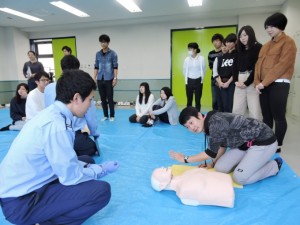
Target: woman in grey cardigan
[164,108]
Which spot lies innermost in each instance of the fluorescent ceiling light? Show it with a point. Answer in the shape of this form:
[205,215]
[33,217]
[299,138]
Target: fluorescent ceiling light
[69,8]
[193,3]
[20,14]
[130,5]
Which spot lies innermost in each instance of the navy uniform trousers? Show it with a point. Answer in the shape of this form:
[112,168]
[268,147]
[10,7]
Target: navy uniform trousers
[55,203]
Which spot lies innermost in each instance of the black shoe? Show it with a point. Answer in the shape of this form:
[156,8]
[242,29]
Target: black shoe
[5,128]
[279,162]
[278,150]
[147,125]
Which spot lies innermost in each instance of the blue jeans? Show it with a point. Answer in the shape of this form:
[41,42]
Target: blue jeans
[227,97]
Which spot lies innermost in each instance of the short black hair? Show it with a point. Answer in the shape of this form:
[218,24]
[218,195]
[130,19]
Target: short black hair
[194,45]
[31,52]
[217,37]
[67,48]
[168,91]
[278,20]
[104,38]
[72,82]
[187,113]
[231,38]
[41,74]
[69,62]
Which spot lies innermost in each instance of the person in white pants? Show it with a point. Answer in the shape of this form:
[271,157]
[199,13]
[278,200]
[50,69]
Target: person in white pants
[245,96]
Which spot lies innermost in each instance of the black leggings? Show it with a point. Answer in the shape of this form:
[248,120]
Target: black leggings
[162,117]
[273,101]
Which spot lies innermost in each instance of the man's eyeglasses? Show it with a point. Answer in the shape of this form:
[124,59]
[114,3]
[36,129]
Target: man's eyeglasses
[44,80]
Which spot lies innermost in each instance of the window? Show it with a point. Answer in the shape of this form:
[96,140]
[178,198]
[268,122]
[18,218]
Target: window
[44,51]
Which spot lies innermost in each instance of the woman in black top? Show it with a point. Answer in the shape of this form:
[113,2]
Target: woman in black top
[226,72]
[245,95]
[17,108]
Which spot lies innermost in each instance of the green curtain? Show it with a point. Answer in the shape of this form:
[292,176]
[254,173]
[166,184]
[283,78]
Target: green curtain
[57,44]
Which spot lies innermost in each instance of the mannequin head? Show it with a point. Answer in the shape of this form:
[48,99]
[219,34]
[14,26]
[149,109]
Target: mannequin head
[160,178]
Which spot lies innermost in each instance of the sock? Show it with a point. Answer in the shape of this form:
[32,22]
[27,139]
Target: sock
[279,162]
[5,128]
[278,149]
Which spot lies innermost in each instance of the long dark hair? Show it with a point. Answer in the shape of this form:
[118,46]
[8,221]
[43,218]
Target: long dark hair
[251,38]
[17,96]
[167,91]
[147,92]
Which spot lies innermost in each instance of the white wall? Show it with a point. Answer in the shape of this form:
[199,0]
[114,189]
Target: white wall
[257,22]
[143,49]
[291,9]
[14,45]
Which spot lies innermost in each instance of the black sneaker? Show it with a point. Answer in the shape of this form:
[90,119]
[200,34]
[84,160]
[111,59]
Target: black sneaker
[147,125]
[5,128]
[279,162]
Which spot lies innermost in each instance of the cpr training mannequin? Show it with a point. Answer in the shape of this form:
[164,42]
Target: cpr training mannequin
[196,186]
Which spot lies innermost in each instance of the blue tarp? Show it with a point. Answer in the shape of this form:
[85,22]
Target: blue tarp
[140,150]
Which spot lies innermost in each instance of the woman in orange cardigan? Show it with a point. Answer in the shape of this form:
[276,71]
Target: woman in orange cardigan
[273,73]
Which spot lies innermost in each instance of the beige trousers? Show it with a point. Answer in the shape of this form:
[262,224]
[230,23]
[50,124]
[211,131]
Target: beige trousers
[246,100]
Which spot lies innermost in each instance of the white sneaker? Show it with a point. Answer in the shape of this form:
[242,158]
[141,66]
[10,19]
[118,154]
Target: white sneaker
[112,119]
[150,122]
[104,119]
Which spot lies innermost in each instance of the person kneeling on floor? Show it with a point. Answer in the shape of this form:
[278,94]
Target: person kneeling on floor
[252,144]
[52,186]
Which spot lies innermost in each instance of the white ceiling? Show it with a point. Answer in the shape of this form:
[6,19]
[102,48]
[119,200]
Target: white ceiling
[109,12]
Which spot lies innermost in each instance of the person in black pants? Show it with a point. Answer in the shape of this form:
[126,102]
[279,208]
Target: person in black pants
[216,40]
[226,72]
[30,68]
[273,73]
[105,73]
[194,71]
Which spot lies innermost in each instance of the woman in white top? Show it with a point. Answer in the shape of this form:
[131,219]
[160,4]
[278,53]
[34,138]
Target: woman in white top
[143,102]
[194,70]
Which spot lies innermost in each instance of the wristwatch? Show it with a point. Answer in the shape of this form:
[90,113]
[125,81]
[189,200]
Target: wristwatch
[115,78]
[186,158]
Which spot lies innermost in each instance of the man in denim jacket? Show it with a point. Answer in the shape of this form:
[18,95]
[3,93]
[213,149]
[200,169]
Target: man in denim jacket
[106,72]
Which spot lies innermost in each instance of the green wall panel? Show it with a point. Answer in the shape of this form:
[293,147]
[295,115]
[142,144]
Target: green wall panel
[57,44]
[179,42]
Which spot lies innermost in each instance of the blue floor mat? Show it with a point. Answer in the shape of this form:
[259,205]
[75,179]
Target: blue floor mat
[139,150]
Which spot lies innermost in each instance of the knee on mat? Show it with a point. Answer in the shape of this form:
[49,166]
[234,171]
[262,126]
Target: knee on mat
[104,192]
[221,168]
[239,178]
[132,119]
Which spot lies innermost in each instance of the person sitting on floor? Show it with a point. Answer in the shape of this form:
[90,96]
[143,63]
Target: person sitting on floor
[41,179]
[143,102]
[165,109]
[83,144]
[17,108]
[196,186]
[35,100]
